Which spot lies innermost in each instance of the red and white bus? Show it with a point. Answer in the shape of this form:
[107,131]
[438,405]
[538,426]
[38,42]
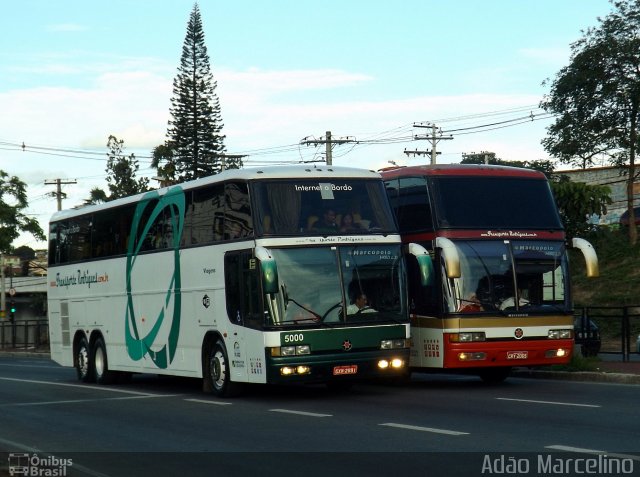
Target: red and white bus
[499,295]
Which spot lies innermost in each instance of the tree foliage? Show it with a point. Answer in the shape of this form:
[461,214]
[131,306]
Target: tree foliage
[596,98]
[577,202]
[13,221]
[121,175]
[122,170]
[195,144]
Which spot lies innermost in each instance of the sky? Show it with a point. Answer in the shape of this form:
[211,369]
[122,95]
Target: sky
[72,73]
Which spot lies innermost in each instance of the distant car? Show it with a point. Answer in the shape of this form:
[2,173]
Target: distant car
[624,218]
[587,336]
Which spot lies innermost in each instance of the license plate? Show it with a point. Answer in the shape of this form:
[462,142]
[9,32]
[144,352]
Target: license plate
[517,354]
[340,370]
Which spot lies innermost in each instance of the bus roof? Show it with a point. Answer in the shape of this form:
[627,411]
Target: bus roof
[248,174]
[461,170]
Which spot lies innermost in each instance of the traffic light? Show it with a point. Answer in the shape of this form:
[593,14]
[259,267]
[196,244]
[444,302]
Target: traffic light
[12,310]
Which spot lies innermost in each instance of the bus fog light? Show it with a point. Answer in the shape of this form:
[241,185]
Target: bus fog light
[397,363]
[472,356]
[303,369]
[287,371]
[556,353]
[383,364]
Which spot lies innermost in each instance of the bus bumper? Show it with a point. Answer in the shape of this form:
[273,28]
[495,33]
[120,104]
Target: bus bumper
[361,365]
[508,353]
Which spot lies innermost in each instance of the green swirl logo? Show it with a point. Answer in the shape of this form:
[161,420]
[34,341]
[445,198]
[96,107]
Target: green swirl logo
[171,205]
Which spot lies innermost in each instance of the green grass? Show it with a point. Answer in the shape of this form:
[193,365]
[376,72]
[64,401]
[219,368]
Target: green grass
[578,363]
[619,280]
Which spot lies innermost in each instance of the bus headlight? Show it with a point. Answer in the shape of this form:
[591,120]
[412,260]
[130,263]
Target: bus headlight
[291,350]
[394,344]
[560,334]
[467,337]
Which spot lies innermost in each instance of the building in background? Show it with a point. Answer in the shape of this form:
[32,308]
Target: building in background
[616,179]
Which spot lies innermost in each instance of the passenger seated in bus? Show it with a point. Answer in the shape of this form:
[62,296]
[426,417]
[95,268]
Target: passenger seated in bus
[349,225]
[327,223]
[360,305]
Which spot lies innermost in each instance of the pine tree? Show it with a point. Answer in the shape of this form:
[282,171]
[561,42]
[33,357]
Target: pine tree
[195,145]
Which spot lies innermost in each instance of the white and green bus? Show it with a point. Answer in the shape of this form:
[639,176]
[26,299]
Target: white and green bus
[233,278]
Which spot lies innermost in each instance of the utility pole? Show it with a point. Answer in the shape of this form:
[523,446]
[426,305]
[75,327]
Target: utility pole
[58,193]
[433,139]
[328,141]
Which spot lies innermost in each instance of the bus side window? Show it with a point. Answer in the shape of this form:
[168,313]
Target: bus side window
[244,301]
[423,300]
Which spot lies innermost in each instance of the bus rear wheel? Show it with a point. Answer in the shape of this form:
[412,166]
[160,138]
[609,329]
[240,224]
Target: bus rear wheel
[101,363]
[83,362]
[217,372]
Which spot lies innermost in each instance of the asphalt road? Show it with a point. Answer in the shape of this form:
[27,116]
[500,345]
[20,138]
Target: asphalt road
[434,425]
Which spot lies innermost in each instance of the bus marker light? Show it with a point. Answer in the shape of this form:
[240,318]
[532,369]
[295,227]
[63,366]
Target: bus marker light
[303,369]
[383,364]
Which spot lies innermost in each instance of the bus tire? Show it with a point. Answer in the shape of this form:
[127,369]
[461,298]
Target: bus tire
[495,375]
[101,363]
[83,363]
[217,371]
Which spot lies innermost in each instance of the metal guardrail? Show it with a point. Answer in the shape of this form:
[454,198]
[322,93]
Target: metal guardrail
[24,334]
[617,324]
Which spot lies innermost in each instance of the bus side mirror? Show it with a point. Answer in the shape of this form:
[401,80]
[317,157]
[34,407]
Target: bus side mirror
[450,255]
[268,269]
[590,257]
[425,264]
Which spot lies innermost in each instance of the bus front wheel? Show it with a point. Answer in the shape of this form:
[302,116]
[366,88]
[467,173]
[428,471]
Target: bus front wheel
[217,372]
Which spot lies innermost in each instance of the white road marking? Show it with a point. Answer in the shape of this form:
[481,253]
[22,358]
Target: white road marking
[549,402]
[81,386]
[425,429]
[301,413]
[592,451]
[74,401]
[204,401]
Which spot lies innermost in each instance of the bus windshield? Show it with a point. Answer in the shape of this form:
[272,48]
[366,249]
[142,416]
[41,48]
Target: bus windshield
[321,207]
[338,285]
[509,276]
[494,203]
